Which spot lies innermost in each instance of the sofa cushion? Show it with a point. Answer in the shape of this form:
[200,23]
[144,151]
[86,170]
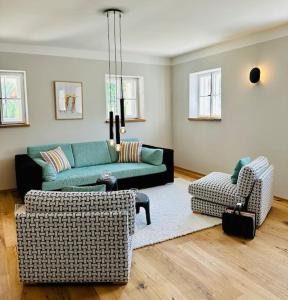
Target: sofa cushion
[48,171]
[89,175]
[57,159]
[249,174]
[34,151]
[130,152]
[217,188]
[114,153]
[91,154]
[152,156]
[86,188]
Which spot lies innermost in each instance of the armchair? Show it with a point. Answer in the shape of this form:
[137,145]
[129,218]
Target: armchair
[214,192]
[75,237]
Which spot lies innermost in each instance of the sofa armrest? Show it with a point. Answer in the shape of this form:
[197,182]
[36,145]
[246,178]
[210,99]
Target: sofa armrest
[28,174]
[168,160]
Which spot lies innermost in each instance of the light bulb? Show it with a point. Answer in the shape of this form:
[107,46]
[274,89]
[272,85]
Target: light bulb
[111,142]
[118,147]
[122,130]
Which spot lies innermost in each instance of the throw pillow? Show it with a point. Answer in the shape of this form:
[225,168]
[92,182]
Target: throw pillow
[241,163]
[92,188]
[130,152]
[48,171]
[57,159]
[152,156]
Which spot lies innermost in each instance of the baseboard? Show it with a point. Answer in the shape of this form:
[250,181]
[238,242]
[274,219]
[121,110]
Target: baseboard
[198,175]
[187,172]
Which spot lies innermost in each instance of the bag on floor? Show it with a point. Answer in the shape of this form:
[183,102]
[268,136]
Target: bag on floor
[237,222]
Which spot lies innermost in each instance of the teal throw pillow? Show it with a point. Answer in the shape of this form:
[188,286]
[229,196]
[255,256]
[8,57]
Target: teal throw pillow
[92,188]
[49,173]
[240,164]
[152,156]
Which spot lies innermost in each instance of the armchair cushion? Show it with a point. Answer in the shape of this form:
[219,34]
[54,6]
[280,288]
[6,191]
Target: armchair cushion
[58,202]
[217,188]
[249,174]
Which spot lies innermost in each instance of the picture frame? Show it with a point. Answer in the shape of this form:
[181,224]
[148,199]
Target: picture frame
[68,97]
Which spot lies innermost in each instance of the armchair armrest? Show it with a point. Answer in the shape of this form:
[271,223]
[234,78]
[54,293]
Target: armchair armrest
[168,160]
[28,174]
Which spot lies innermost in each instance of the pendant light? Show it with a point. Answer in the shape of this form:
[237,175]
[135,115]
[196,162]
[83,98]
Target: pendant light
[114,12]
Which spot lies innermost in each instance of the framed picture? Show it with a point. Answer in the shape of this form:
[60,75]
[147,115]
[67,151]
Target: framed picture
[68,100]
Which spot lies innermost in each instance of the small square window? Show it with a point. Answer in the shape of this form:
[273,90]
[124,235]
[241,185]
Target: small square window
[205,94]
[13,102]
[132,94]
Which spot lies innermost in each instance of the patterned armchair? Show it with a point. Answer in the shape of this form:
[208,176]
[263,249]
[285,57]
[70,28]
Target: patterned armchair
[75,237]
[214,192]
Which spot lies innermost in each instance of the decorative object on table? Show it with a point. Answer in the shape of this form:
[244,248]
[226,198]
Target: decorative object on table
[214,192]
[68,100]
[130,152]
[237,222]
[114,15]
[142,200]
[95,247]
[109,181]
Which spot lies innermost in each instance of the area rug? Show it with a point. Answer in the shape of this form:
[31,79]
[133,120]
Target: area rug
[171,215]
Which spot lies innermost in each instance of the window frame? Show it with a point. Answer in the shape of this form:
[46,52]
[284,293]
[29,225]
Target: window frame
[194,95]
[139,97]
[23,100]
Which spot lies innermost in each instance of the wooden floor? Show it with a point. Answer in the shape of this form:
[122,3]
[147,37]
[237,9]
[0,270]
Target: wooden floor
[202,265]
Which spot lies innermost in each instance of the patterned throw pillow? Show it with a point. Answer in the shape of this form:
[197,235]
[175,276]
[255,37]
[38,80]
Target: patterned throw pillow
[57,159]
[130,152]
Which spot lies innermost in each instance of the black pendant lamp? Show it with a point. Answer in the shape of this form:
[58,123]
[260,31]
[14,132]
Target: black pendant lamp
[114,12]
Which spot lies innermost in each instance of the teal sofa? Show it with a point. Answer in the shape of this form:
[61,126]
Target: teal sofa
[88,161]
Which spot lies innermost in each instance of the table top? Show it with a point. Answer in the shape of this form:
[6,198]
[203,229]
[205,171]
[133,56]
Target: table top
[141,197]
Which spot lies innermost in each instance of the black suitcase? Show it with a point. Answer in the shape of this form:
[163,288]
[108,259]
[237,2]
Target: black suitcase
[238,222]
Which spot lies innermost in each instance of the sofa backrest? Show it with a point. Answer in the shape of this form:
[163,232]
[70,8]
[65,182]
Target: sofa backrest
[34,151]
[249,174]
[60,202]
[91,153]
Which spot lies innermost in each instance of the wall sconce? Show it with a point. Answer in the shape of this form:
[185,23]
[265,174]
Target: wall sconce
[255,75]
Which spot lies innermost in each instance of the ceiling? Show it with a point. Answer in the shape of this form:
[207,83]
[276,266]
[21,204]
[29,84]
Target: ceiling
[156,27]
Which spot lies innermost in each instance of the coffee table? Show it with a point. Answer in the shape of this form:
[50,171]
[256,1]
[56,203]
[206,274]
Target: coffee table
[142,200]
[110,182]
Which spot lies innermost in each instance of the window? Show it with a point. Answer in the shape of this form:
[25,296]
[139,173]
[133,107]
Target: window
[205,95]
[13,103]
[132,92]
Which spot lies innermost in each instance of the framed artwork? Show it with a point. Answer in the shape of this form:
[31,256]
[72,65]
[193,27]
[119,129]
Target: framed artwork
[68,100]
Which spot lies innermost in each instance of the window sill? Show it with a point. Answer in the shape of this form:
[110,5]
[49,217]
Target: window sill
[131,120]
[204,119]
[13,125]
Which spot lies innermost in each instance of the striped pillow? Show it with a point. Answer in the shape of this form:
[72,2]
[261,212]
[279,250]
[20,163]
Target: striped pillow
[130,152]
[57,159]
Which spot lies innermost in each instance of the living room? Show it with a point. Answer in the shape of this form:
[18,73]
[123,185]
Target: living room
[150,109]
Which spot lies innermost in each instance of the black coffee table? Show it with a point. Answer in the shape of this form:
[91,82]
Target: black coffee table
[110,182]
[142,200]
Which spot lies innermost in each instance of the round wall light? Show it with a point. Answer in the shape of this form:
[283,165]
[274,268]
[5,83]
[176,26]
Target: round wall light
[255,75]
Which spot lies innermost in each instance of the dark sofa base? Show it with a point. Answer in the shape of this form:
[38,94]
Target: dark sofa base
[143,182]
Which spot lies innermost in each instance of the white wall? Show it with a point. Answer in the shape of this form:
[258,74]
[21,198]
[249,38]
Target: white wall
[42,70]
[254,118]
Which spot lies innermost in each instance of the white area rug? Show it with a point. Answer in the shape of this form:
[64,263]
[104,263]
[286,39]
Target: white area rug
[171,215]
